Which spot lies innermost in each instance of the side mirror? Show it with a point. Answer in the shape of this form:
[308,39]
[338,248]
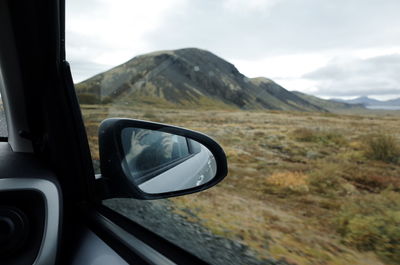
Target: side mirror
[147,160]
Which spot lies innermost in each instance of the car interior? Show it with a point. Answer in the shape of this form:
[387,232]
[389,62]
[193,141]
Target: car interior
[50,198]
[118,119]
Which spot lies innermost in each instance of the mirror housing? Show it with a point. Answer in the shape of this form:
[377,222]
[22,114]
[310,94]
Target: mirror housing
[115,182]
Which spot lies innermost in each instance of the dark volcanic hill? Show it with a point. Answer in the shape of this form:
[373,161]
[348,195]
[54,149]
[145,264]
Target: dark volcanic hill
[188,77]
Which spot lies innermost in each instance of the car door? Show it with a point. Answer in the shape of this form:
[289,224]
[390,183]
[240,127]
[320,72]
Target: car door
[50,201]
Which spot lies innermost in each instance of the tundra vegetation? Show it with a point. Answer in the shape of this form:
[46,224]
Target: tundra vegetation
[309,187]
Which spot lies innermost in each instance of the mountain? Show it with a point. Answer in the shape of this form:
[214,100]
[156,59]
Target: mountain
[393,102]
[373,103]
[360,100]
[190,78]
[330,105]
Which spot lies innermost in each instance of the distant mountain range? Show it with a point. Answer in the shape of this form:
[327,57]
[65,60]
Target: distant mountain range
[330,105]
[193,78]
[372,103]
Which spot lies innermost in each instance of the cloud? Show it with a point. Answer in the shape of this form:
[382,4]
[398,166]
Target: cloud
[358,77]
[266,28]
[280,39]
[106,33]
[243,7]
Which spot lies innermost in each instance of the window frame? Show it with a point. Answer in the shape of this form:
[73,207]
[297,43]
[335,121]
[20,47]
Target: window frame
[101,215]
[149,174]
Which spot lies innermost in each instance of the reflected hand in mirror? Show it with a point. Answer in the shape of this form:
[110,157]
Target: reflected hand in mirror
[159,162]
[148,149]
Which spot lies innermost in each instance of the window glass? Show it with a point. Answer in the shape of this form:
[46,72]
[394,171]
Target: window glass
[3,123]
[302,95]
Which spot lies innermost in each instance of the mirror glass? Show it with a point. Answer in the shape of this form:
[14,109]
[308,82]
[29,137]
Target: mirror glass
[159,162]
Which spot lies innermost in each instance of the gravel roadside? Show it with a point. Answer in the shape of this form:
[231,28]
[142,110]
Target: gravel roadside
[158,216]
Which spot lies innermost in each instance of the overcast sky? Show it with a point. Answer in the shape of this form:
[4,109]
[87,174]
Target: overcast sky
[328,48]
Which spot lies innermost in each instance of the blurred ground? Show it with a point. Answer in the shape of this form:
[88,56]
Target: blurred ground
[310,188]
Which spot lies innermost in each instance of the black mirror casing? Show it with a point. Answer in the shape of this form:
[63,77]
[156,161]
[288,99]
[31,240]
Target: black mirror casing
[115,184]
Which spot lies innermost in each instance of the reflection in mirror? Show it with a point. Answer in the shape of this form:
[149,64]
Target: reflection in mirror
[159,162]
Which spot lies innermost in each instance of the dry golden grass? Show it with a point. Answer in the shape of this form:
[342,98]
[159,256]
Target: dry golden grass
[383,147]
[294,181]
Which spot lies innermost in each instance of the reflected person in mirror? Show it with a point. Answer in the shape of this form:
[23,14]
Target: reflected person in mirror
[146,150]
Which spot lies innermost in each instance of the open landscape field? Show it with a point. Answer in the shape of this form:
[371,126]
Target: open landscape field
[307,187]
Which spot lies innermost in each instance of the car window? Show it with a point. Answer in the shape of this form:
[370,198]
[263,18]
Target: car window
[3,123]
[302,95]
